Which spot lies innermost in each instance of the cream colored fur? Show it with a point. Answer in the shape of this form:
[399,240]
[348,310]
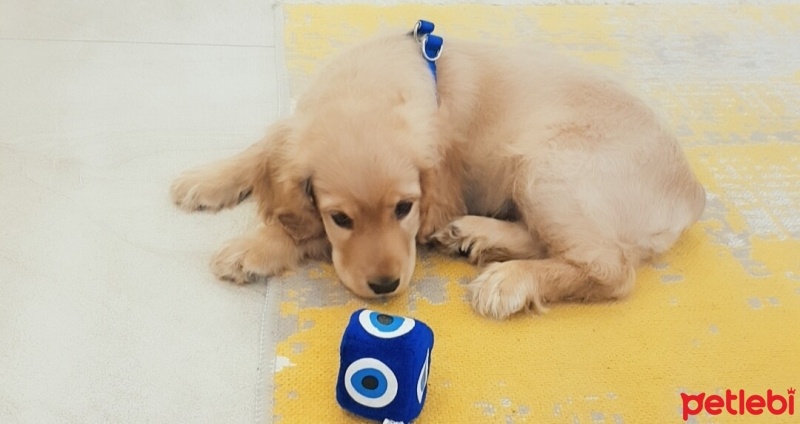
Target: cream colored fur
[597,181]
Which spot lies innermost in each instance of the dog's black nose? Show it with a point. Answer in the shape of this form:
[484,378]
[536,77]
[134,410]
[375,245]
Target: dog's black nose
[384,285]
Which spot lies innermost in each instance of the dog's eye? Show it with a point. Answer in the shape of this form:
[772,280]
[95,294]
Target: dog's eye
[402,209]
[342,220]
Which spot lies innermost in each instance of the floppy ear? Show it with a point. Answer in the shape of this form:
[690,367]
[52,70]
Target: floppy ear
[281,187]
[295,211]
[442,198]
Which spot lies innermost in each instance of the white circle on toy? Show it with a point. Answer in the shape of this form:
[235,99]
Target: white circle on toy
[383,325]
[370,382]
[423,377]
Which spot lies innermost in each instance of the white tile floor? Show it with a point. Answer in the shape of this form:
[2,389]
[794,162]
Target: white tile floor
[107,310]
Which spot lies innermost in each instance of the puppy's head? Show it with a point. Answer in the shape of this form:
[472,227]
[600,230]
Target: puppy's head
[370,210]
[367,195]
[365,179]
[354,163]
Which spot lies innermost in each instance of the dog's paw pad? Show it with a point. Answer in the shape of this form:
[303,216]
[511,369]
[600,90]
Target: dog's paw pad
[254,277]
[465,251]
[244,195]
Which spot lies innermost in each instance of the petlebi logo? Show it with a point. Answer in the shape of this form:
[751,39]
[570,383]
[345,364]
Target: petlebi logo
[739,403]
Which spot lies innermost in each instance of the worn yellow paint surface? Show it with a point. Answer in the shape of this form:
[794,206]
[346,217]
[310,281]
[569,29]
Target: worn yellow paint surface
[720,311]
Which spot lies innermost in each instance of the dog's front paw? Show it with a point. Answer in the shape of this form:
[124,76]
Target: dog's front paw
[204,189]
[468,237]
[483,240]
[456,238]
[505,288]
[243,260]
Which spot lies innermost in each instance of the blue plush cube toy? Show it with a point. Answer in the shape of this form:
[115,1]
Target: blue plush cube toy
[384,366]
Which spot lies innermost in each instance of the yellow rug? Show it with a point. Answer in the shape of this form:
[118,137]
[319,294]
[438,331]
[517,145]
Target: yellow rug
[721,311]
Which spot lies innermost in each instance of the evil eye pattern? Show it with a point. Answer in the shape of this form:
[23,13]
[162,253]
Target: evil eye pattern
[423,377]
[384,326]
[370,382]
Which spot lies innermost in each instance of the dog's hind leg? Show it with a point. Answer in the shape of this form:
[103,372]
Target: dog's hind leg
[483,240]
[584,273]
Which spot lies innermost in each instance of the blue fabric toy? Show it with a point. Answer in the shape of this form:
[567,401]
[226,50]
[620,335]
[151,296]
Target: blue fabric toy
[384,366]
